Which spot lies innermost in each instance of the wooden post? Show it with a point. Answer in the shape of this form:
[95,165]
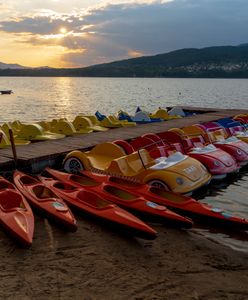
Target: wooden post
[11,137]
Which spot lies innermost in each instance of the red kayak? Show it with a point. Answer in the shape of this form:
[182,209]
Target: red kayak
[180,203]
[16,216]
[45,200]
[125,198]
[91,203]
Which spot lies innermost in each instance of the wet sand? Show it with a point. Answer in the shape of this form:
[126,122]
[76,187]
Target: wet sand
[97,263]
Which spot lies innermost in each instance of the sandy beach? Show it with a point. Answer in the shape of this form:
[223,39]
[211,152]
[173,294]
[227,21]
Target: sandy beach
[98,263]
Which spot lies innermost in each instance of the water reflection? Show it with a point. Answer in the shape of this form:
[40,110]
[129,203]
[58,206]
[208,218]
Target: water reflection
[46,98]
[230,194]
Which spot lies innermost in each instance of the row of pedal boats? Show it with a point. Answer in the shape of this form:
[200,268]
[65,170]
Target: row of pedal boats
[122,203]
[179,159]
[24,133]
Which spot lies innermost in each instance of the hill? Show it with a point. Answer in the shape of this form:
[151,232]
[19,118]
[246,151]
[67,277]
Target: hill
[210,62]
[11,66]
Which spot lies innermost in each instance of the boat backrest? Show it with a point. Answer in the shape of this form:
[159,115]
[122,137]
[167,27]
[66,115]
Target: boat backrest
[170,137]
[143,142]
[131,165]
[64,127]
[155,138]
[101,155]
[127,147]
[81,122]
[194,130]
[29,131]
[160,113]
[107,149]
[178,131]
[93,119]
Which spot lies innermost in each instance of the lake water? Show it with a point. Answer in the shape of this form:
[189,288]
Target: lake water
[46,98]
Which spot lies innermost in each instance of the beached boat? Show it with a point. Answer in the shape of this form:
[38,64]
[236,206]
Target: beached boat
[98,207]
[45,200]
[127,199]
[6,92]
[16,216]
[201,212]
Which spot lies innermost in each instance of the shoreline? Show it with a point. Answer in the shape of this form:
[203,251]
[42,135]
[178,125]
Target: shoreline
[97,263]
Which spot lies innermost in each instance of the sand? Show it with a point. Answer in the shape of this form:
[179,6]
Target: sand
[97,263]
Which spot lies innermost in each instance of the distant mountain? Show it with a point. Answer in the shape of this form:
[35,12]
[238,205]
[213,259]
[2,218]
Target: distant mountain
[210,62]
[11,66]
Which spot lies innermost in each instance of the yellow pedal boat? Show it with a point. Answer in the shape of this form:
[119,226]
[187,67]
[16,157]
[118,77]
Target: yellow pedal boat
[178,172]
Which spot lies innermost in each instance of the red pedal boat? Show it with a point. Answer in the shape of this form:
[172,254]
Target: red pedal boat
[182,204]
[125,198]
[16,216]
[45,200]
[93,204]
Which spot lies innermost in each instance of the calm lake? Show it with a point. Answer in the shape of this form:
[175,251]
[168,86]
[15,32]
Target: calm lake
[46,98]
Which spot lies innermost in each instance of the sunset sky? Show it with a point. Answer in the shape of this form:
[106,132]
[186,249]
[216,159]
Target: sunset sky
[75,33]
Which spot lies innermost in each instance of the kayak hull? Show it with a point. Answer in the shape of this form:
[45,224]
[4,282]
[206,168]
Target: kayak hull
[45,201]
[125,198]
[182,204]
[94,205]
[16,216]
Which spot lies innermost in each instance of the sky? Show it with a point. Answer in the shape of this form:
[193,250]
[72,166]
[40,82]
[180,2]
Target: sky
[79,33]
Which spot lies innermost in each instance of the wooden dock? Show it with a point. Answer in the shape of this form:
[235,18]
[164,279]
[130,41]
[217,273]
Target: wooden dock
[37,156]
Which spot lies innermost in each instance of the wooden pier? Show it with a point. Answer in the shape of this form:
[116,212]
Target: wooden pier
[37,156]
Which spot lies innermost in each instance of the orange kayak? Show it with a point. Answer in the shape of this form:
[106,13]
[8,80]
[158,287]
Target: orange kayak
[16,216]
[94,205]
[45,200]
[125,198]
[184,205]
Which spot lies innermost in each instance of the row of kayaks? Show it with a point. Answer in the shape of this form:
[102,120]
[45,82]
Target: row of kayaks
[59,128]
[122,203]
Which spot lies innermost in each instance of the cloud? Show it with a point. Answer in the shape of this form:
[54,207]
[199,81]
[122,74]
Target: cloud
[116,31]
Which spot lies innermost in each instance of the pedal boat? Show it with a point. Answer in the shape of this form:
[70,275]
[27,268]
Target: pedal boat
[187,206]
[234,128]
[16,216]
[177,173]
[126,199]
[84,122]
[162,113]
[91,203]
[218,162]
[45,200]
[217,136]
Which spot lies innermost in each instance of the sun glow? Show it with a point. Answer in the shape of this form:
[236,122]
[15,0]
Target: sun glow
[63,30]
